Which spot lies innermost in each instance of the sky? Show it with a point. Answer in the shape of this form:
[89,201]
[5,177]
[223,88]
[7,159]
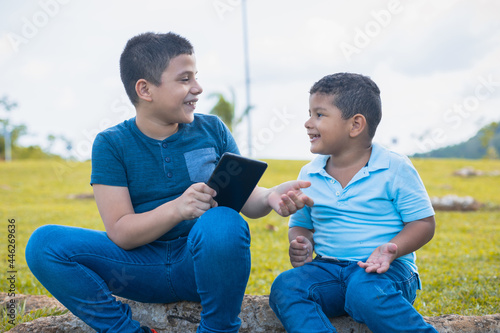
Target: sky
[435,62]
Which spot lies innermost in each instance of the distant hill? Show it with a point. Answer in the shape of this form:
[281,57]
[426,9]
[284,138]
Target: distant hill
[486,143]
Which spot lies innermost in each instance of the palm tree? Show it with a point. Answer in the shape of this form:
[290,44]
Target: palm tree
[225,110]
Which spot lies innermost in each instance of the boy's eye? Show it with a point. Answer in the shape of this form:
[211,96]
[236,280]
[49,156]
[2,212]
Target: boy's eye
[319,115]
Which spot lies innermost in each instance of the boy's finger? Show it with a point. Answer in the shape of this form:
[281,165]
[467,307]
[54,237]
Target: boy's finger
[283,209]
[300,200]
[304,183]
[301,240]
[300,251]
[293,200]
[204,188]
[204,197]
[289,202]
[297,246]
[308,201]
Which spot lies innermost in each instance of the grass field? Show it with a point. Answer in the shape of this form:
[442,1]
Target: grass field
[459,267]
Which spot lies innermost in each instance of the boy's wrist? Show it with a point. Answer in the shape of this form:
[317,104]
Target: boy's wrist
[172,212]
[268,197]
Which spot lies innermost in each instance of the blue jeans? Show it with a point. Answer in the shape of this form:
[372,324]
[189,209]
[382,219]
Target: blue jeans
[83,269]
[305,297]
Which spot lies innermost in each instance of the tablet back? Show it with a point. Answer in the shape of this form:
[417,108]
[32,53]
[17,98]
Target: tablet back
[234,179]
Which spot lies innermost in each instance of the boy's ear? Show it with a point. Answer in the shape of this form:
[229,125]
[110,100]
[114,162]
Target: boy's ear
[142,90]
[358,125]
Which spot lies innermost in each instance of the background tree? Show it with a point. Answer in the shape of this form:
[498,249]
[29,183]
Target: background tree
[225,110]
[18,151]
[10,134]
[15,133]
[485,144]
[487,140]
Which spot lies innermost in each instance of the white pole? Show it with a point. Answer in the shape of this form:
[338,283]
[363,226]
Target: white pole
[7,133]
[247,76]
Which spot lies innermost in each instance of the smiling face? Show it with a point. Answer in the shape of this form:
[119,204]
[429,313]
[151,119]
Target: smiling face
[174,100]
[328,131]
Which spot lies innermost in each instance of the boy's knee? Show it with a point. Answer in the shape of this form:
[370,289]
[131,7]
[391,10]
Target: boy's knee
[40,244]
[285,284]
[222,230]
[224,216]
[278,291]
[222,224]
[42,236]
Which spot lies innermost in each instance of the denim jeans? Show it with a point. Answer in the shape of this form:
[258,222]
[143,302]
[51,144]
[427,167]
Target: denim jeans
[83,269]
[305,297]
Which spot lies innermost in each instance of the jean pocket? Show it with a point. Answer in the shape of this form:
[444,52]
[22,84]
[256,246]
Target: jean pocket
[200,164]
[405,280]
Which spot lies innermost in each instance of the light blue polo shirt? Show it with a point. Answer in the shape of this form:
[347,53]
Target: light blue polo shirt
[349,223]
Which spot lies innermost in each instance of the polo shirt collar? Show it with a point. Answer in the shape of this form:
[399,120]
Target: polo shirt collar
[378,161]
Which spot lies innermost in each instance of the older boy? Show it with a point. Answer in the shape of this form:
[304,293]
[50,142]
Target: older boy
[166,240]
[370,213]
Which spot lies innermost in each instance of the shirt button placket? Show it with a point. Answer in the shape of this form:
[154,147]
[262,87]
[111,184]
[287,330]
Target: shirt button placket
[167,159]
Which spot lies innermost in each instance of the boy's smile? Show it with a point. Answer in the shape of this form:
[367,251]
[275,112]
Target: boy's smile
[313,137]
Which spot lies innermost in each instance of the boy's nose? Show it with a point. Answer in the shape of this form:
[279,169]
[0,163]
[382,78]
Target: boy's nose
[306,124]
[196,89]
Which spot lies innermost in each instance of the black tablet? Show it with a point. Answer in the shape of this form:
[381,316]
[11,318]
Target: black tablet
[234,179]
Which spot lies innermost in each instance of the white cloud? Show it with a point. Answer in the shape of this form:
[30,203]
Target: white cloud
[35,70]
[426,60]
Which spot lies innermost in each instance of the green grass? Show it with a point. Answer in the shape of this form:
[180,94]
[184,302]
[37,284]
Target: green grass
[459,267]
[21,316]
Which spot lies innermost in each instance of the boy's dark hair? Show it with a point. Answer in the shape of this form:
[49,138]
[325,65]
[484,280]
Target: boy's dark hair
[146,56]
[354,93]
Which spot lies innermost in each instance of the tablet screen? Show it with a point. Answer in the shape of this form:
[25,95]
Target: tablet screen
[234,179]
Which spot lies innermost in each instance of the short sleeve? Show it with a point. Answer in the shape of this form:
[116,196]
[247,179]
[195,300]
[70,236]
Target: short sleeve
[409,193]
[107,166]
[302,218]
[228,139]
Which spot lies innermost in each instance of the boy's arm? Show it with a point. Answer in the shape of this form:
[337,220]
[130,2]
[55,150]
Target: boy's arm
[413,236]
[301,245]
[129,230]
[285,199]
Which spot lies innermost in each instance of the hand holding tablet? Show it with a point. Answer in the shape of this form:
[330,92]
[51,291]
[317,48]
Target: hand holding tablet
[234,179]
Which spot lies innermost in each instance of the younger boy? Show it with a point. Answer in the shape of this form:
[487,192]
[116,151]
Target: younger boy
[370,213]
[166,240]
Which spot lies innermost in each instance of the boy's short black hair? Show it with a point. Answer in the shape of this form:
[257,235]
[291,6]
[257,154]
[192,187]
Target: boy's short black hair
[146,56]
[354,93]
